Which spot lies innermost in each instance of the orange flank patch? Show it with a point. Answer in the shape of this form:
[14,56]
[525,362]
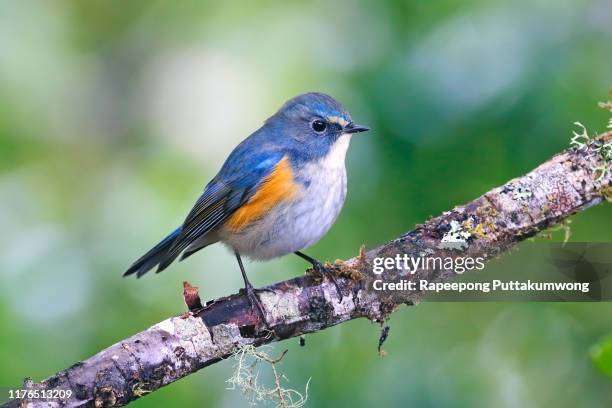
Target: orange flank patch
[277,187]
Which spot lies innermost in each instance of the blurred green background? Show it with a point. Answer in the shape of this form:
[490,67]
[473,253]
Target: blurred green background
[114,114]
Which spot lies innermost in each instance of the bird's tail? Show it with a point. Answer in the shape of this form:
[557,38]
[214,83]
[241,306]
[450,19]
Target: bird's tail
[157,255]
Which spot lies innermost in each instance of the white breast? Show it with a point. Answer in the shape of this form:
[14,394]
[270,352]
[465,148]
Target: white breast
[295,225]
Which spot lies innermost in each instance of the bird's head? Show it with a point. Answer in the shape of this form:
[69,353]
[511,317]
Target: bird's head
[316,121]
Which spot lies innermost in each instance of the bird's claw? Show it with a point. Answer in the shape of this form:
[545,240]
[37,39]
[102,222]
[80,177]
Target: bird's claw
[255,303]
[323,271]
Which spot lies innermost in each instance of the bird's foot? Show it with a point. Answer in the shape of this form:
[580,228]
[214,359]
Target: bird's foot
[256,303]
[323,271]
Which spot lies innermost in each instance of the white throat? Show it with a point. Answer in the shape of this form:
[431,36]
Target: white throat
[337,153]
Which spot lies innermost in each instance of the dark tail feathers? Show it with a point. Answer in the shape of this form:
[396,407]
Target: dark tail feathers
[157,255]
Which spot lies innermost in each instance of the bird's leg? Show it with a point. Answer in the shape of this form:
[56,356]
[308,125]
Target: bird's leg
[250,291]
[322,270]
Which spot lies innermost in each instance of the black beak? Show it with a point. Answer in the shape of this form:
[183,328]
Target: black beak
[353,128]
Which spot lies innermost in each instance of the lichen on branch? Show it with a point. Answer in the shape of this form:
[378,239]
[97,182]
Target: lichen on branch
[571,181]
[246,377]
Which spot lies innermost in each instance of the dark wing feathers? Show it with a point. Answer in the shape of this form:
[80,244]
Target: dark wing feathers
[237,181]
[153,257]
[208,212]
[204,217]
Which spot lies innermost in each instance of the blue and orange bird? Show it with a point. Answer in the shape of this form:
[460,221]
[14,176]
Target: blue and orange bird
[277,193]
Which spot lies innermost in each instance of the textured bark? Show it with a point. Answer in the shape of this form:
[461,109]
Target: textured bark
[179,346]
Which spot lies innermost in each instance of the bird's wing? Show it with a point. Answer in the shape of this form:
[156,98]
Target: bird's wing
[237,182]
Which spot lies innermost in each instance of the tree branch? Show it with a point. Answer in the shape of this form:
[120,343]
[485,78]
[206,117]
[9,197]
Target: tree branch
[179,346]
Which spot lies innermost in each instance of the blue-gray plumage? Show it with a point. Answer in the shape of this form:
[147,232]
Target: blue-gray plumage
[278,192]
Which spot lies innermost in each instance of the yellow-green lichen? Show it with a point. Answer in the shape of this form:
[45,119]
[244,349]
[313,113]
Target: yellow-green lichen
[600,145]
[606,192]
[477,230]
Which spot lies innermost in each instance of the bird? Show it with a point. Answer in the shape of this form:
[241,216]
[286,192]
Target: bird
[278,192]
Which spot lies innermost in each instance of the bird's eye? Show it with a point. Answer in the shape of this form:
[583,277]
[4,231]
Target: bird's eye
[318,125]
